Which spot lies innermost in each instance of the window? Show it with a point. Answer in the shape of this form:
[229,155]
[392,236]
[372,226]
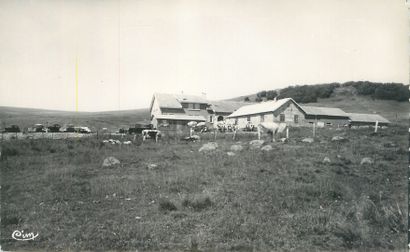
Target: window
[248,118]
[193,106]
[282,117]
[296,118]
[185,105]
[210,118]
[262,118]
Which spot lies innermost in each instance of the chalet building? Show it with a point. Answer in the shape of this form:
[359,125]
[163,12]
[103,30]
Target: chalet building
[174,111]
[288,111]
[357,119]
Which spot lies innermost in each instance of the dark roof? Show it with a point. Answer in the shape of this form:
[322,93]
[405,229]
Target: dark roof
[324,111]
[369,118]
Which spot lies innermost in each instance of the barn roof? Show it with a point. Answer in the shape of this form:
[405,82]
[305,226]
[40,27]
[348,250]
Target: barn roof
[369,118]
[181,117]
[226,106]
[324,111]
[262,107]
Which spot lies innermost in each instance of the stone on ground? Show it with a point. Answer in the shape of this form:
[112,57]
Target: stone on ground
[110,161]
[209,147]
[338,139]
[267,148]
[236,147]
[308,140]
[230,153]
[326,160]
[256,144]
[366,160]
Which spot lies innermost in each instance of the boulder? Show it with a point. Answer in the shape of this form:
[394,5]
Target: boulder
[127,142]
[308,140]
[152,166]
[267,148]
[326,160]
[366,160]
[110,161]
[236,147]
[230,153]
[338,139]
[256,144]
[209,147]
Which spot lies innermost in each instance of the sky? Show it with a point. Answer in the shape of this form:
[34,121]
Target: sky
[124,51]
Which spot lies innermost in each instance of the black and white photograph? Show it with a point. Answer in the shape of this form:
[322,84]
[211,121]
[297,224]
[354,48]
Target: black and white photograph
[204,125]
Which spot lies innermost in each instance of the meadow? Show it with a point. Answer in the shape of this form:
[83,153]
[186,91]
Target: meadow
[169,196]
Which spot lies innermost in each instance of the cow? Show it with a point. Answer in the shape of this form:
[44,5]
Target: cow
[224,126]
[151,134]
[271,128]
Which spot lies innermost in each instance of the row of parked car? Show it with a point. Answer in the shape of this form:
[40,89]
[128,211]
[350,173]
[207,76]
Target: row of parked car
[55,128]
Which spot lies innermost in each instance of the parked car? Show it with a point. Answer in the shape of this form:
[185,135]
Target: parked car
[139,127]
[12,128]
[84,130]
[54,128]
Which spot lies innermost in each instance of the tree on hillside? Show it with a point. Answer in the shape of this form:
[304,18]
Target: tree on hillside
[258,99]
[246,99]
[261,94]
[271,94]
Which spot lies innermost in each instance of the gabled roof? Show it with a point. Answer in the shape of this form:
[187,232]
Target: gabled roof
[190,98]
[174,101]
[262,107]
[181,117]
[370,118]
[226,106]
[167,101]
[324,111]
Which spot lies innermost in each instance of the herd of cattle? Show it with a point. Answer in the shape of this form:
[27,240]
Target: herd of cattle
[148,132]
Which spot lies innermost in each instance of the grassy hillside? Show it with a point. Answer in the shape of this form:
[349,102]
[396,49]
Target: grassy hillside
[95,120]
[392,110]
[169,196]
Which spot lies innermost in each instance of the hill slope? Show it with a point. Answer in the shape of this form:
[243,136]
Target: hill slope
[25,117]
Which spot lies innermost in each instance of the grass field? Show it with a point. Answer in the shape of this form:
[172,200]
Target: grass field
[169,196]
[111,120]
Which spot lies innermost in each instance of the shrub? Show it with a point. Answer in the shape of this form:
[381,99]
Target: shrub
[198,204]
[166,205]
[9,151]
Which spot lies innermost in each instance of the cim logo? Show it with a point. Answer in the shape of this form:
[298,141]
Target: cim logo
[21,236]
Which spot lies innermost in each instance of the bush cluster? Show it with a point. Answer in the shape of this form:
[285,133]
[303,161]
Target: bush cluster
[310,93]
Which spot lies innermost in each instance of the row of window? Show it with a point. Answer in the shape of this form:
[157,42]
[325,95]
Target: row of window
[281,118]
[193,106]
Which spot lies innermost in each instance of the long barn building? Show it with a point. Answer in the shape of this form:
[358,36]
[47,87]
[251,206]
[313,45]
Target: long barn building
[288,111]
